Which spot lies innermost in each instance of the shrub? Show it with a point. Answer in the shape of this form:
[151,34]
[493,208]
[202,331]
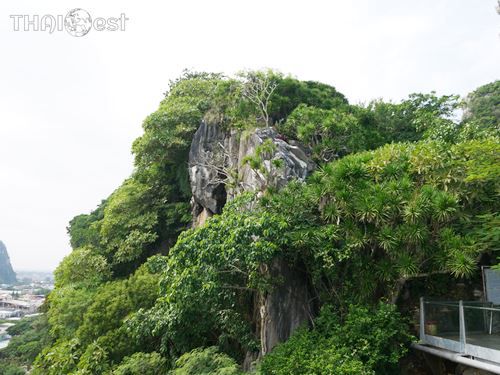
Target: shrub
[10,369]
[142,363]
[205,361]
[364,342]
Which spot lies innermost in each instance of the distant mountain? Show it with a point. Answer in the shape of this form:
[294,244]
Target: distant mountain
[7,274]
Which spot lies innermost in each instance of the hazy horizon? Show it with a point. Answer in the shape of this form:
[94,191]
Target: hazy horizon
[71,107]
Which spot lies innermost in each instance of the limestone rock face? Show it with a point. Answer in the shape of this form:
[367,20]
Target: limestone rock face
[294,160]
[206,168]
[286,307]
[7,275]
[218,172]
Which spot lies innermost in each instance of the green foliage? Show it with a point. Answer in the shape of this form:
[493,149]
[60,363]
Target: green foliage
[24,325]
[82,266]
[309,353]
[94,361]
[433,115]
[329,132]
[207,271]
[136,222]
[118,343]
[364,342]
[114,301]
[168,131]
[11,369]
[29,336]
[419,116]
[360,226]
[138,283]
[339,130]
[68,305]
[142,364]
[82,228]
[129,222]
[61,358]
[95,317]
[106,312]
[486,231]
[482,110]
[208,361]
[370,220]
[290,93]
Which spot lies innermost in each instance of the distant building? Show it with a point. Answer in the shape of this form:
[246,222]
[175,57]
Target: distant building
[6,314]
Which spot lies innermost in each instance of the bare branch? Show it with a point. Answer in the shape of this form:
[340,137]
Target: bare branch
[219,165]
[258,89]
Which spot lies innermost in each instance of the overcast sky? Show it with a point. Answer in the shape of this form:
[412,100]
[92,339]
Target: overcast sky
[70,107]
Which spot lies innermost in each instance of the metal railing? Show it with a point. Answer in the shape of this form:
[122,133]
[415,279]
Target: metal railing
[471,328]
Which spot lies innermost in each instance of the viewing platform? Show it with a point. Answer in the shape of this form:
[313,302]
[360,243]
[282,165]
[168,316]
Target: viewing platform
[466,332]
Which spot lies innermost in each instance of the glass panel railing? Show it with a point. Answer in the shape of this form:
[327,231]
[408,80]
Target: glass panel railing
[476,318]
[482,326]
[442,319]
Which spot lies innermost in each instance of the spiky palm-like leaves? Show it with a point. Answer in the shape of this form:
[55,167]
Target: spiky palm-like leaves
[392,214]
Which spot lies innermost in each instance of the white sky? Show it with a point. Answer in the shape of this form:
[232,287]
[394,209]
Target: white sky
[71,107]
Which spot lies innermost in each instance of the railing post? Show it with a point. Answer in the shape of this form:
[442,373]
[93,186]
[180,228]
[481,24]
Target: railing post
[422,320]
[462,326]
[491,319]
